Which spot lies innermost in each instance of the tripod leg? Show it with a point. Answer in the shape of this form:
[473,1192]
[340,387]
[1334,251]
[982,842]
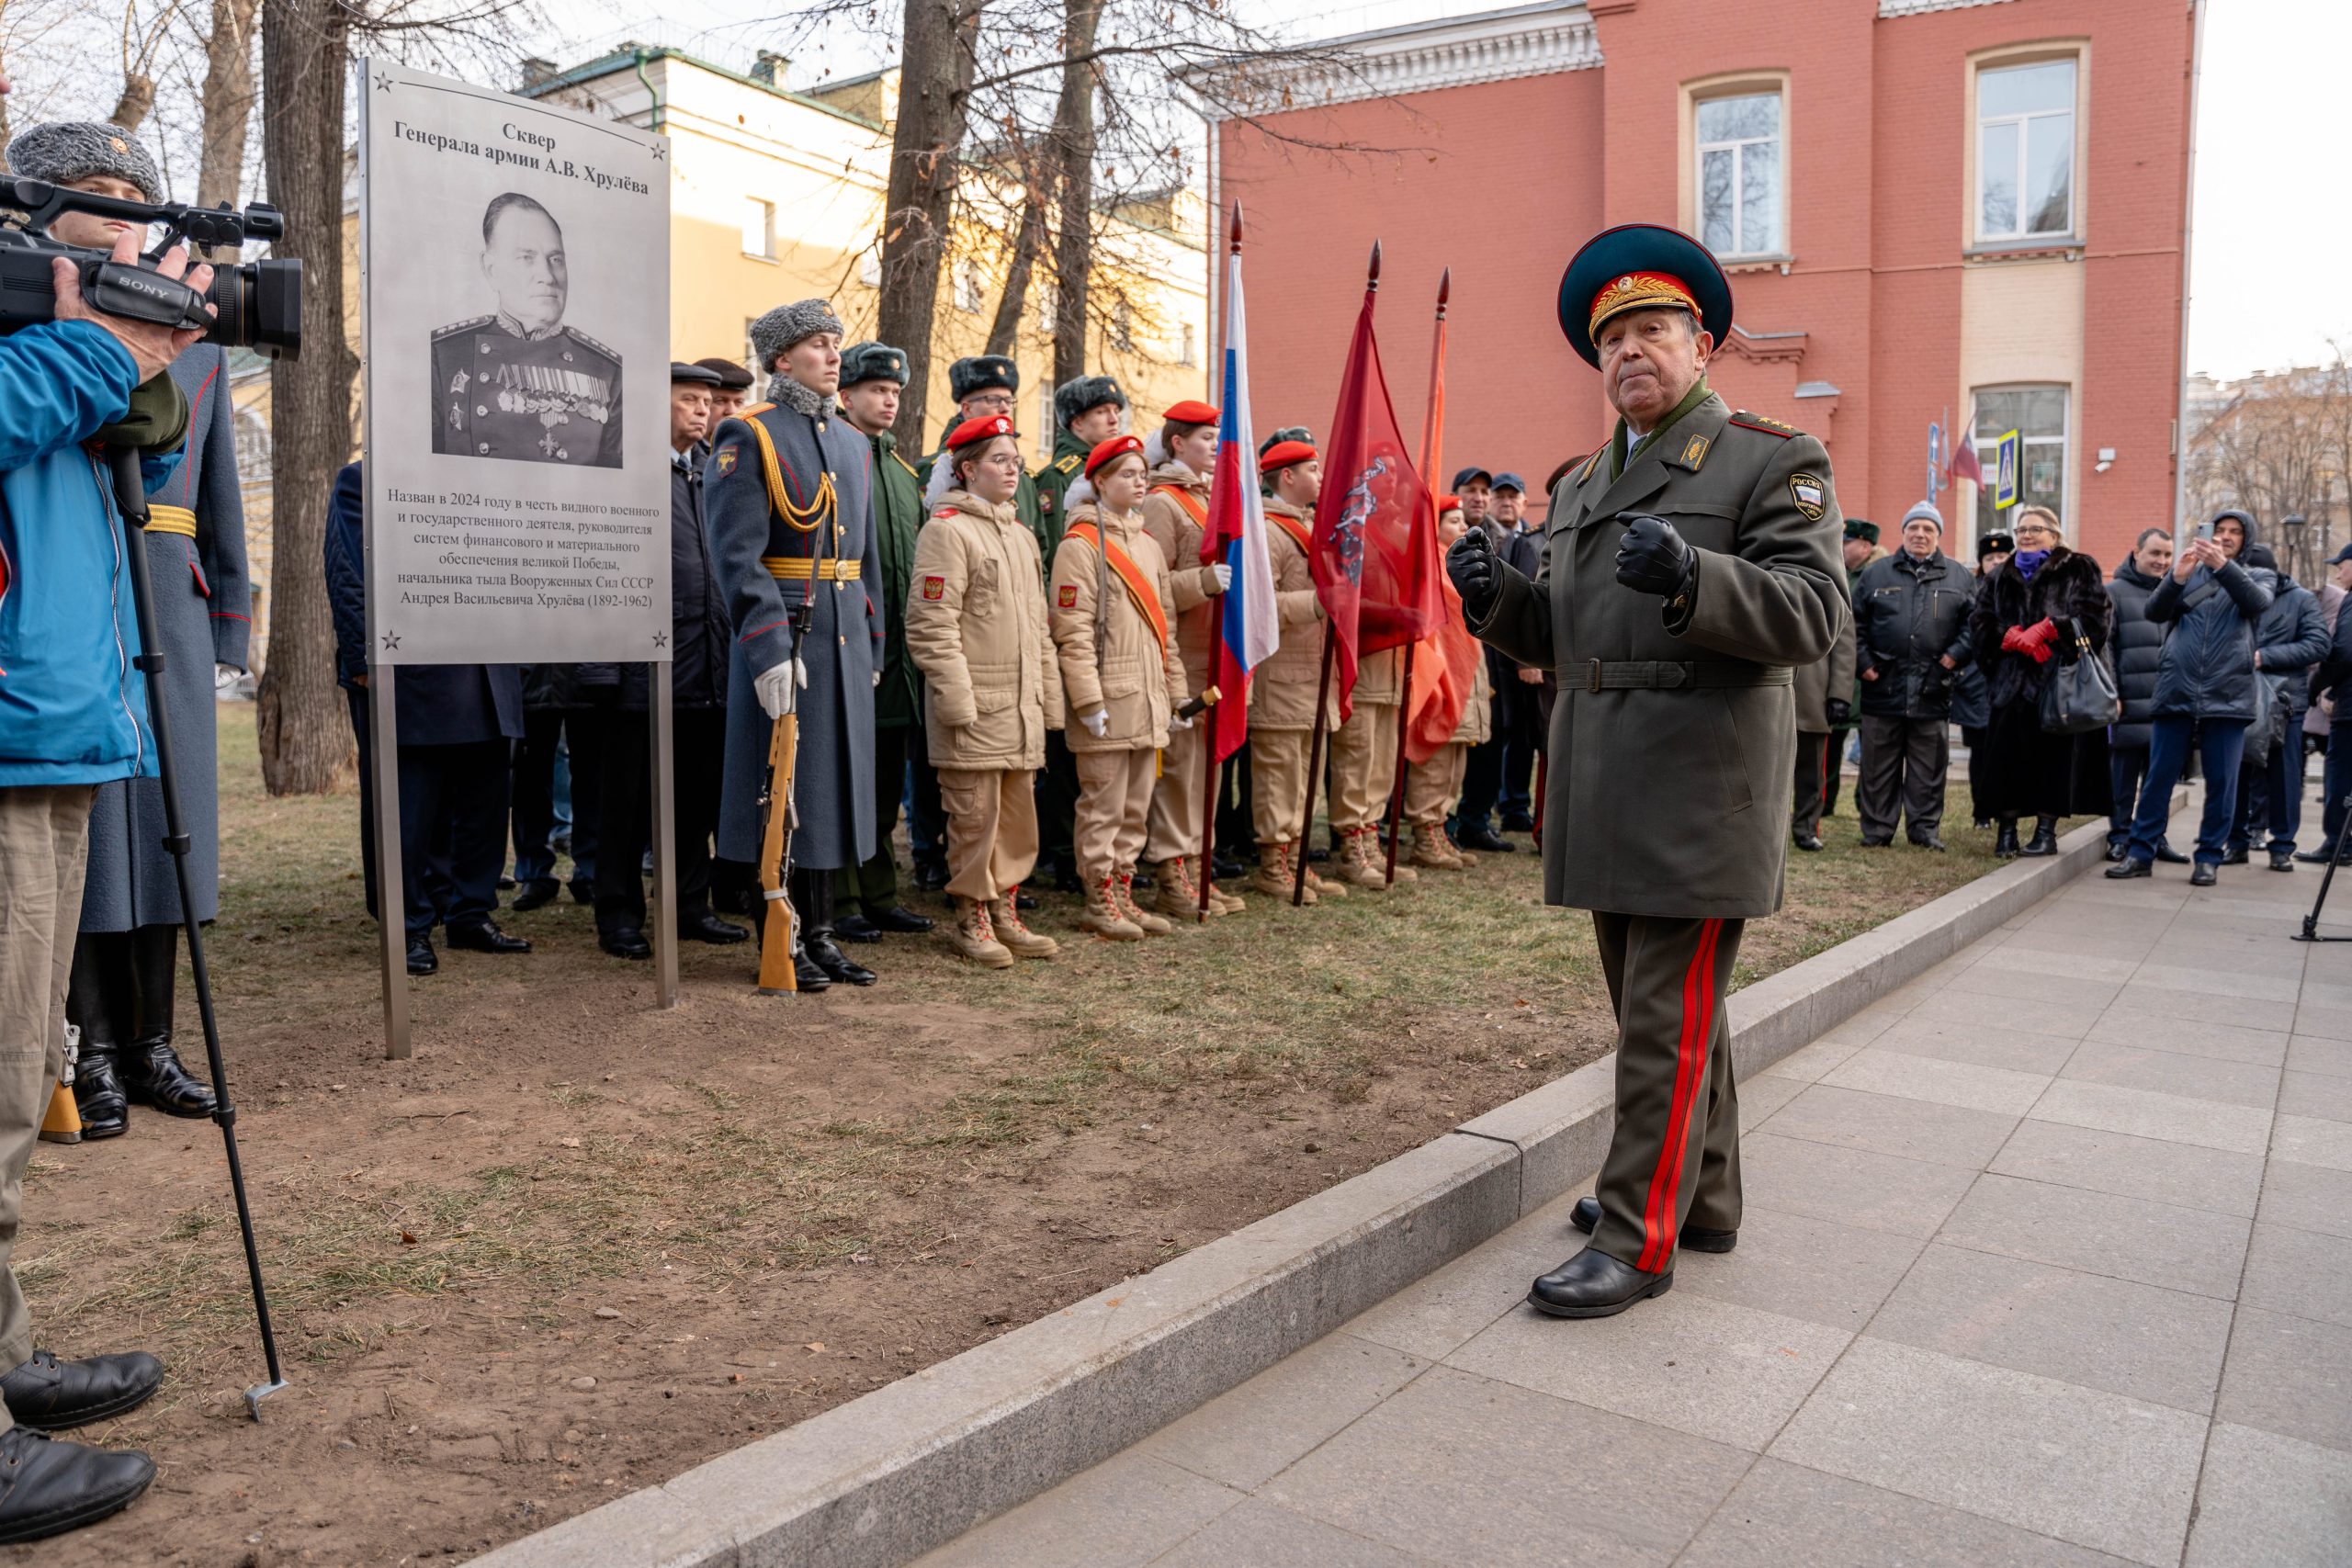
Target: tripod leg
[131,500]
[2327,877]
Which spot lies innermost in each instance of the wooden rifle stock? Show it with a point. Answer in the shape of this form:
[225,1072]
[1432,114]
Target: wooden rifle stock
[777,931]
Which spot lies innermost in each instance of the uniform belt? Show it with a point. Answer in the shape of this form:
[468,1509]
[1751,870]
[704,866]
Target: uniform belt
[1666,675]
[803,568]
[177,519]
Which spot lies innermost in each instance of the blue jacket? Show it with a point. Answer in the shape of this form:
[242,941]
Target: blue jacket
[2207,667]
[73,708]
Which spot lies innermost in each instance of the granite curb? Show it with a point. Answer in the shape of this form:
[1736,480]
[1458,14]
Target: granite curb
[881,1480]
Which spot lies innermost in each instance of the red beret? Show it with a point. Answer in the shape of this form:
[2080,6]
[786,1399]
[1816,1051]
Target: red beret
[1117,446]
[980,428]
[1283,454]
[1446,503]
[1190,411]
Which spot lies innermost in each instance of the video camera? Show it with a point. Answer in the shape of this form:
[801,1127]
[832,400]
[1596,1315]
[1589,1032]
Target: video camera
[257,305]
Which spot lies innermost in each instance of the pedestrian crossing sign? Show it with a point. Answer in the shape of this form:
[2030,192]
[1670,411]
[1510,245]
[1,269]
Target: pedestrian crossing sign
[2005,447]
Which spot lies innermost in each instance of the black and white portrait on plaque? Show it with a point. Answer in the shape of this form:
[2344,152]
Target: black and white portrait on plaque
[519,383]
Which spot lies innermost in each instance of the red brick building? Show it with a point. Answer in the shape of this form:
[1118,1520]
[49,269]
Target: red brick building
[1925,206]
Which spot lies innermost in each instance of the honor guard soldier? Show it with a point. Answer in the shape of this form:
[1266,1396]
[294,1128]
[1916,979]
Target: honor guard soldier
[1687,566]
[1283,689]
[519,384]
[787,495]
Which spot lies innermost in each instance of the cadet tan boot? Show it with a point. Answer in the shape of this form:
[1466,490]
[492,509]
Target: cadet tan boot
[1468,857]
[1358,860]
[1317,885]
[1104,917]
[1220,902]
[1123,889]
[1377,853]
[1274,872]
[1174,893]
[1012,932]
[973,935]
[1431,848]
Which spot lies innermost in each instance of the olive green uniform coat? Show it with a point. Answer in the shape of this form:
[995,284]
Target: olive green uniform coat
[1052,484]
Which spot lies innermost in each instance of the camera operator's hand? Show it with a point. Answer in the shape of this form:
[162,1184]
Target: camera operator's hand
[152,346]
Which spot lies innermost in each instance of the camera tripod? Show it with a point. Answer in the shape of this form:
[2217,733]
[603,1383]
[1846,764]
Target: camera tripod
[130,501]
[2334,858]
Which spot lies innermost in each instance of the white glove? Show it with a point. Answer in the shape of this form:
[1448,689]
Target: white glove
[877,679]
[1098,723]
[224,675]
[777,688]
[1222,572]
[1177,721]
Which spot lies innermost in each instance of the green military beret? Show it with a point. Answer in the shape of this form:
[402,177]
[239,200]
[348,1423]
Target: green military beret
[1857,529]
[872,361]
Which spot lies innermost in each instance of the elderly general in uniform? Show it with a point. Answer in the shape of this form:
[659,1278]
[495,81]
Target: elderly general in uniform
[787,499]
[520,384]
[1687,566]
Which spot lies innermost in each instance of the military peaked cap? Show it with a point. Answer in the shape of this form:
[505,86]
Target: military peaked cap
[1640,267]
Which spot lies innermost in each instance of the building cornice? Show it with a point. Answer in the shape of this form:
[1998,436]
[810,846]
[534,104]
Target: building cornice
[1420,57]
[1921,7]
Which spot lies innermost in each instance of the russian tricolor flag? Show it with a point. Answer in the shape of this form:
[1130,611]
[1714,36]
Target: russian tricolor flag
[1248,631]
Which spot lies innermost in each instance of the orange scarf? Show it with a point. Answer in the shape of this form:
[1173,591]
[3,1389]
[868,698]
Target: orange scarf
[1139,589]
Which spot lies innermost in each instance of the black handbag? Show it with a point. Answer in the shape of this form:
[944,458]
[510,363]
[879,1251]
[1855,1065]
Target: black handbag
[2081,696]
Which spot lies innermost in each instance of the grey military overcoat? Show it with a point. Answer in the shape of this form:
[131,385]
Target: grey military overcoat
[1674,801]
[834,787]
[203,609]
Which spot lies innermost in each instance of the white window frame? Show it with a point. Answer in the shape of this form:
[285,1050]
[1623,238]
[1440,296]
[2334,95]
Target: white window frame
[2063,441]
[1188,352]
[2023,122]
[1737,147]
[766,251]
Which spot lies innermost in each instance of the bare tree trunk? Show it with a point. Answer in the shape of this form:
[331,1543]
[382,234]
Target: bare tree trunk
[1026,245]
[228,101]
[305,738]
[1073,151]
[137,98]
[937,55]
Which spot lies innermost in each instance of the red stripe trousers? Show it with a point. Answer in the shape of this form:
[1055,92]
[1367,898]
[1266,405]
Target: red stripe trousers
[1674,1151]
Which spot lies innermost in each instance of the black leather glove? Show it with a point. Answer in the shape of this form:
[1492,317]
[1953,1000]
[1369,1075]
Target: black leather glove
[1651,556]
[1840,711]
[1478,574]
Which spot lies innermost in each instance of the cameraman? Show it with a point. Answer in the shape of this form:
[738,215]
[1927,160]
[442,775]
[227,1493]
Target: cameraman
[72,715]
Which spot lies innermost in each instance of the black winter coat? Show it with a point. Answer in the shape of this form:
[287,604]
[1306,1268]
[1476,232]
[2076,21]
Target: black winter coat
[2208,666]
[1909,615]
[2292,637]
[2135,647]
[701,637]
[2067,586]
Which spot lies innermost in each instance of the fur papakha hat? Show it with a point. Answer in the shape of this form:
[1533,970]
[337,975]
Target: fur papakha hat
[788,324]
[1081,394]
[65,149]
[980,372]
[872,361]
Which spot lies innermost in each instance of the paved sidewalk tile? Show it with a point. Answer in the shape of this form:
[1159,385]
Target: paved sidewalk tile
[2133,1340]
[2313,1140]
[1763,1095]
[1243,1436]
[1260,1535]
[1784,1516]
[2027,955]
[2179,1174]
[1692,1362]
[1891,1125]
[2147,1113]
[2271,1502]
[2322,1095]
[1482,1474]
[2093,1468]
[1821,1271]
[2194,1250]
[1963,1084]
[1447,1308]
[2169,1072]
[2234,982]
[1986,1047]
[2317,1054]
[2153,1029]
[2292,1375]
[1851,1187]
[2067,1021]
[2307,1198]
[2300,1272]
[1811,1063]
[1121,1514]
[2029,988]
[2328,1023]
[2204,1007]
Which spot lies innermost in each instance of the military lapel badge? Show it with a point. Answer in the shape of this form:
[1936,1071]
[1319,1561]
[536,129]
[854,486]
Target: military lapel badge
[1694,452]
[1070,596]
[1810,494]
[726,464]
[934,588]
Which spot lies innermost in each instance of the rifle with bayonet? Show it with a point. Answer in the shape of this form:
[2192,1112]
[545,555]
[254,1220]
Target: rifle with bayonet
[780,930]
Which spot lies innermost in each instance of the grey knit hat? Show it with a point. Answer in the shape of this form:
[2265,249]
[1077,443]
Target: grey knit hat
[788,324]
[67,149]
[1924,511]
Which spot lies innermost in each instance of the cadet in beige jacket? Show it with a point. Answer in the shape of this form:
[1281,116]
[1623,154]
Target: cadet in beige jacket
[976,628]
[1433,789]
[1363,770]
[1282,690]
[1121,679]
[1176,515]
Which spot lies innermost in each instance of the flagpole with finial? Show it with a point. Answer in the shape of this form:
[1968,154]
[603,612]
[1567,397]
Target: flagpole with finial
[1210,767]
[1429,425]
[1323,685]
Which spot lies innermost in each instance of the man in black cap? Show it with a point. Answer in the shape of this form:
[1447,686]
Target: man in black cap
[873,375]
[1472,487]
[700,640]
[1519,688]
[1862,551]
[1689,565]
[727,399]
[985,383]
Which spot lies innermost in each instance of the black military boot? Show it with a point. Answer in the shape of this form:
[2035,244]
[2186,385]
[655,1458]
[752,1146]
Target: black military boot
[1593,1284]
[2006,846]
[55,1395]
[814,899]
[48,1486]
[151,1073]
[1586,1215]
[2045,838]
[98,1003]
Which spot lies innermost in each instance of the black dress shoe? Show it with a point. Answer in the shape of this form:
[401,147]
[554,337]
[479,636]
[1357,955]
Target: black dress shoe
[49,1487]
[55,1395]
[2236,855]
[99,1098]
[2311,857]
[2168,855]
[931,875]
[1065,881]
[837,966]
[1878,843]
[1518,822]
[2127,867]
[421,960]
[1586,1214]
[1928,841]
[1809,842]
[856,927]
[583,891]
[806,976]
[2118,849]
[1226,868]
[900,920]
[2203,874]
[701,925]
[153,1075]
[1486,841]
[1025,901]
[1593,1284]
[2281,858]
[536,894]
[625,942]
[2005,847]
[2043,843]
[483,937]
